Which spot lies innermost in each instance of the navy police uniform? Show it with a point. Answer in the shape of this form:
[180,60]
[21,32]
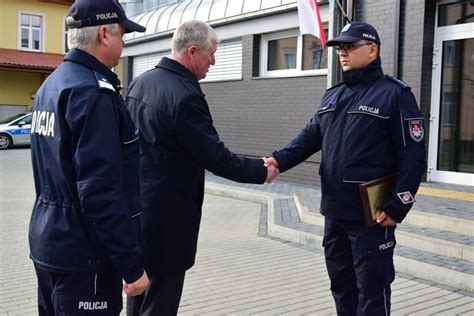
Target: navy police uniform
[83,232]
[367,127]
[84,229]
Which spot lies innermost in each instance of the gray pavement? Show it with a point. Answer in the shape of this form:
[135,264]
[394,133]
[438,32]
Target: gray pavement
[238,271]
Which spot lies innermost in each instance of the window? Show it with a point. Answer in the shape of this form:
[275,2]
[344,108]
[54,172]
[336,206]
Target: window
[282,53]
[30,31]
[291,54]
[456,13]
[228,62]
[314,57]
[24,121]
[146,62]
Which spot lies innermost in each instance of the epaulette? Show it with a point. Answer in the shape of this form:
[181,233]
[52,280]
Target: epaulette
[399,82]
[103,82]
[335,86]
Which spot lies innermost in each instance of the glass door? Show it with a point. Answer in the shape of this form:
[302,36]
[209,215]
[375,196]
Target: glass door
[451,147]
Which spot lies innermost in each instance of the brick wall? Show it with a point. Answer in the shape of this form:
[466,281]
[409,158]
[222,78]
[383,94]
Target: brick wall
[381,14]
[414,33]
[416,50]
[255,116]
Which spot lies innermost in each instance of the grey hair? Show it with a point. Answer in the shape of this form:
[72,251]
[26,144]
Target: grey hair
[193,32]
[85,37]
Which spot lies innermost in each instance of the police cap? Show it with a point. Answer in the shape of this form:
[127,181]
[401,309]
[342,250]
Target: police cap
[355,31]
[98,12]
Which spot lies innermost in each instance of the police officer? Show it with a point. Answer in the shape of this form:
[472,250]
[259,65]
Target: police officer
[83,232]
[367,127]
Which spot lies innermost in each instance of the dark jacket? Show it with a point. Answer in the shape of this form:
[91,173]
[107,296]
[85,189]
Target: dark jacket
[367,127]
[84,150]
[178,142]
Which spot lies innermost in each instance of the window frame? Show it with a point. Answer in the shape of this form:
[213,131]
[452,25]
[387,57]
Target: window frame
[42,33]
[297,72]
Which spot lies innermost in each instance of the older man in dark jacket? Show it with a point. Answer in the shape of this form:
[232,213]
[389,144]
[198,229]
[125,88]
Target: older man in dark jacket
[178,142]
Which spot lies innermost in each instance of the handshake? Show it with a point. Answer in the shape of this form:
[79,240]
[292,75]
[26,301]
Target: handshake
[272,168]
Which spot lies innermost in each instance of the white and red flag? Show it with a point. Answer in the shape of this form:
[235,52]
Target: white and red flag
[310,19]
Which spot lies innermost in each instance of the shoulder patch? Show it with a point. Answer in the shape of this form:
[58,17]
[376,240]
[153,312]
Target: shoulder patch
[103,82]
[339,84]
[402,84]
[417,132]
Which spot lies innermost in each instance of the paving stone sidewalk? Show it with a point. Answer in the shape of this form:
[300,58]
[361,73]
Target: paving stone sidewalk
[237,272]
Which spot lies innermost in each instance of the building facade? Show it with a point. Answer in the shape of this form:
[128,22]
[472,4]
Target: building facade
[269,79]
[32,44]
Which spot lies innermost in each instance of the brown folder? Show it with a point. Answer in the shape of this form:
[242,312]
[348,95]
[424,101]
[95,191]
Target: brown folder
[374,195]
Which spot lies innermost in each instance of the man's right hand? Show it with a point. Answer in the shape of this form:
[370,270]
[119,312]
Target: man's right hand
[272,168]
[272,173]
[270,161]
[137,287]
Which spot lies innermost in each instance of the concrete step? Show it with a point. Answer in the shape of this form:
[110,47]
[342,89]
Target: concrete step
[441,222]
[284,223]
[437,241]
[289,218]
[443,214]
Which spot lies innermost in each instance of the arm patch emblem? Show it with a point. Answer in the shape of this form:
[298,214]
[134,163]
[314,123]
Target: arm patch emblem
[406,197]
[417,133]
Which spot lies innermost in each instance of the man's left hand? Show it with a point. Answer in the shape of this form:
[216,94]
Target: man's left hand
[384,220]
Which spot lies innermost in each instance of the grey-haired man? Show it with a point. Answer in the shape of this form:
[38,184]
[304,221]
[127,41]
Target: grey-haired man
[84,225]
[178,142]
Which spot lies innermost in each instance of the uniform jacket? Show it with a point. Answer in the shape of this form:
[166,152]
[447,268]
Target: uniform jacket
[85,163]
[178,142]
[367,127]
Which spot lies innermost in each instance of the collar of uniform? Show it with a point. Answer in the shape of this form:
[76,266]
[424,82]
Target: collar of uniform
[174,66]
[365,75]
[81,57]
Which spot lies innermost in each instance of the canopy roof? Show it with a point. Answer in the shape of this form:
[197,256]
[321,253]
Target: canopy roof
[168,17]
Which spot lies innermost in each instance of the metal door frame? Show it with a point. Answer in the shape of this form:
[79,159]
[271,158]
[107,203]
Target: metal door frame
[442,34]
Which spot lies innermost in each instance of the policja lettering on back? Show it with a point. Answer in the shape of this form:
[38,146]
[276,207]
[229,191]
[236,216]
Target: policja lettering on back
[43,123]
[85,157]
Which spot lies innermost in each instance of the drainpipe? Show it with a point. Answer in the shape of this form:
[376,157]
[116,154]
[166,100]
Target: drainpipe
[350,9]
[336,23]
[396,39]
[331,56]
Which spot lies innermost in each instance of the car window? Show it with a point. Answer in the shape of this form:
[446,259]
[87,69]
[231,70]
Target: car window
[12,118]
[26,119]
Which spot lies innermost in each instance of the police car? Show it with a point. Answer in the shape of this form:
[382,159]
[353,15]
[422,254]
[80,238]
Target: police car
[15,130]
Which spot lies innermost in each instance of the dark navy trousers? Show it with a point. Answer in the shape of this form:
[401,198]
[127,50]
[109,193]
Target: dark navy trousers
[161,297]
[79,293]
[359,260]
